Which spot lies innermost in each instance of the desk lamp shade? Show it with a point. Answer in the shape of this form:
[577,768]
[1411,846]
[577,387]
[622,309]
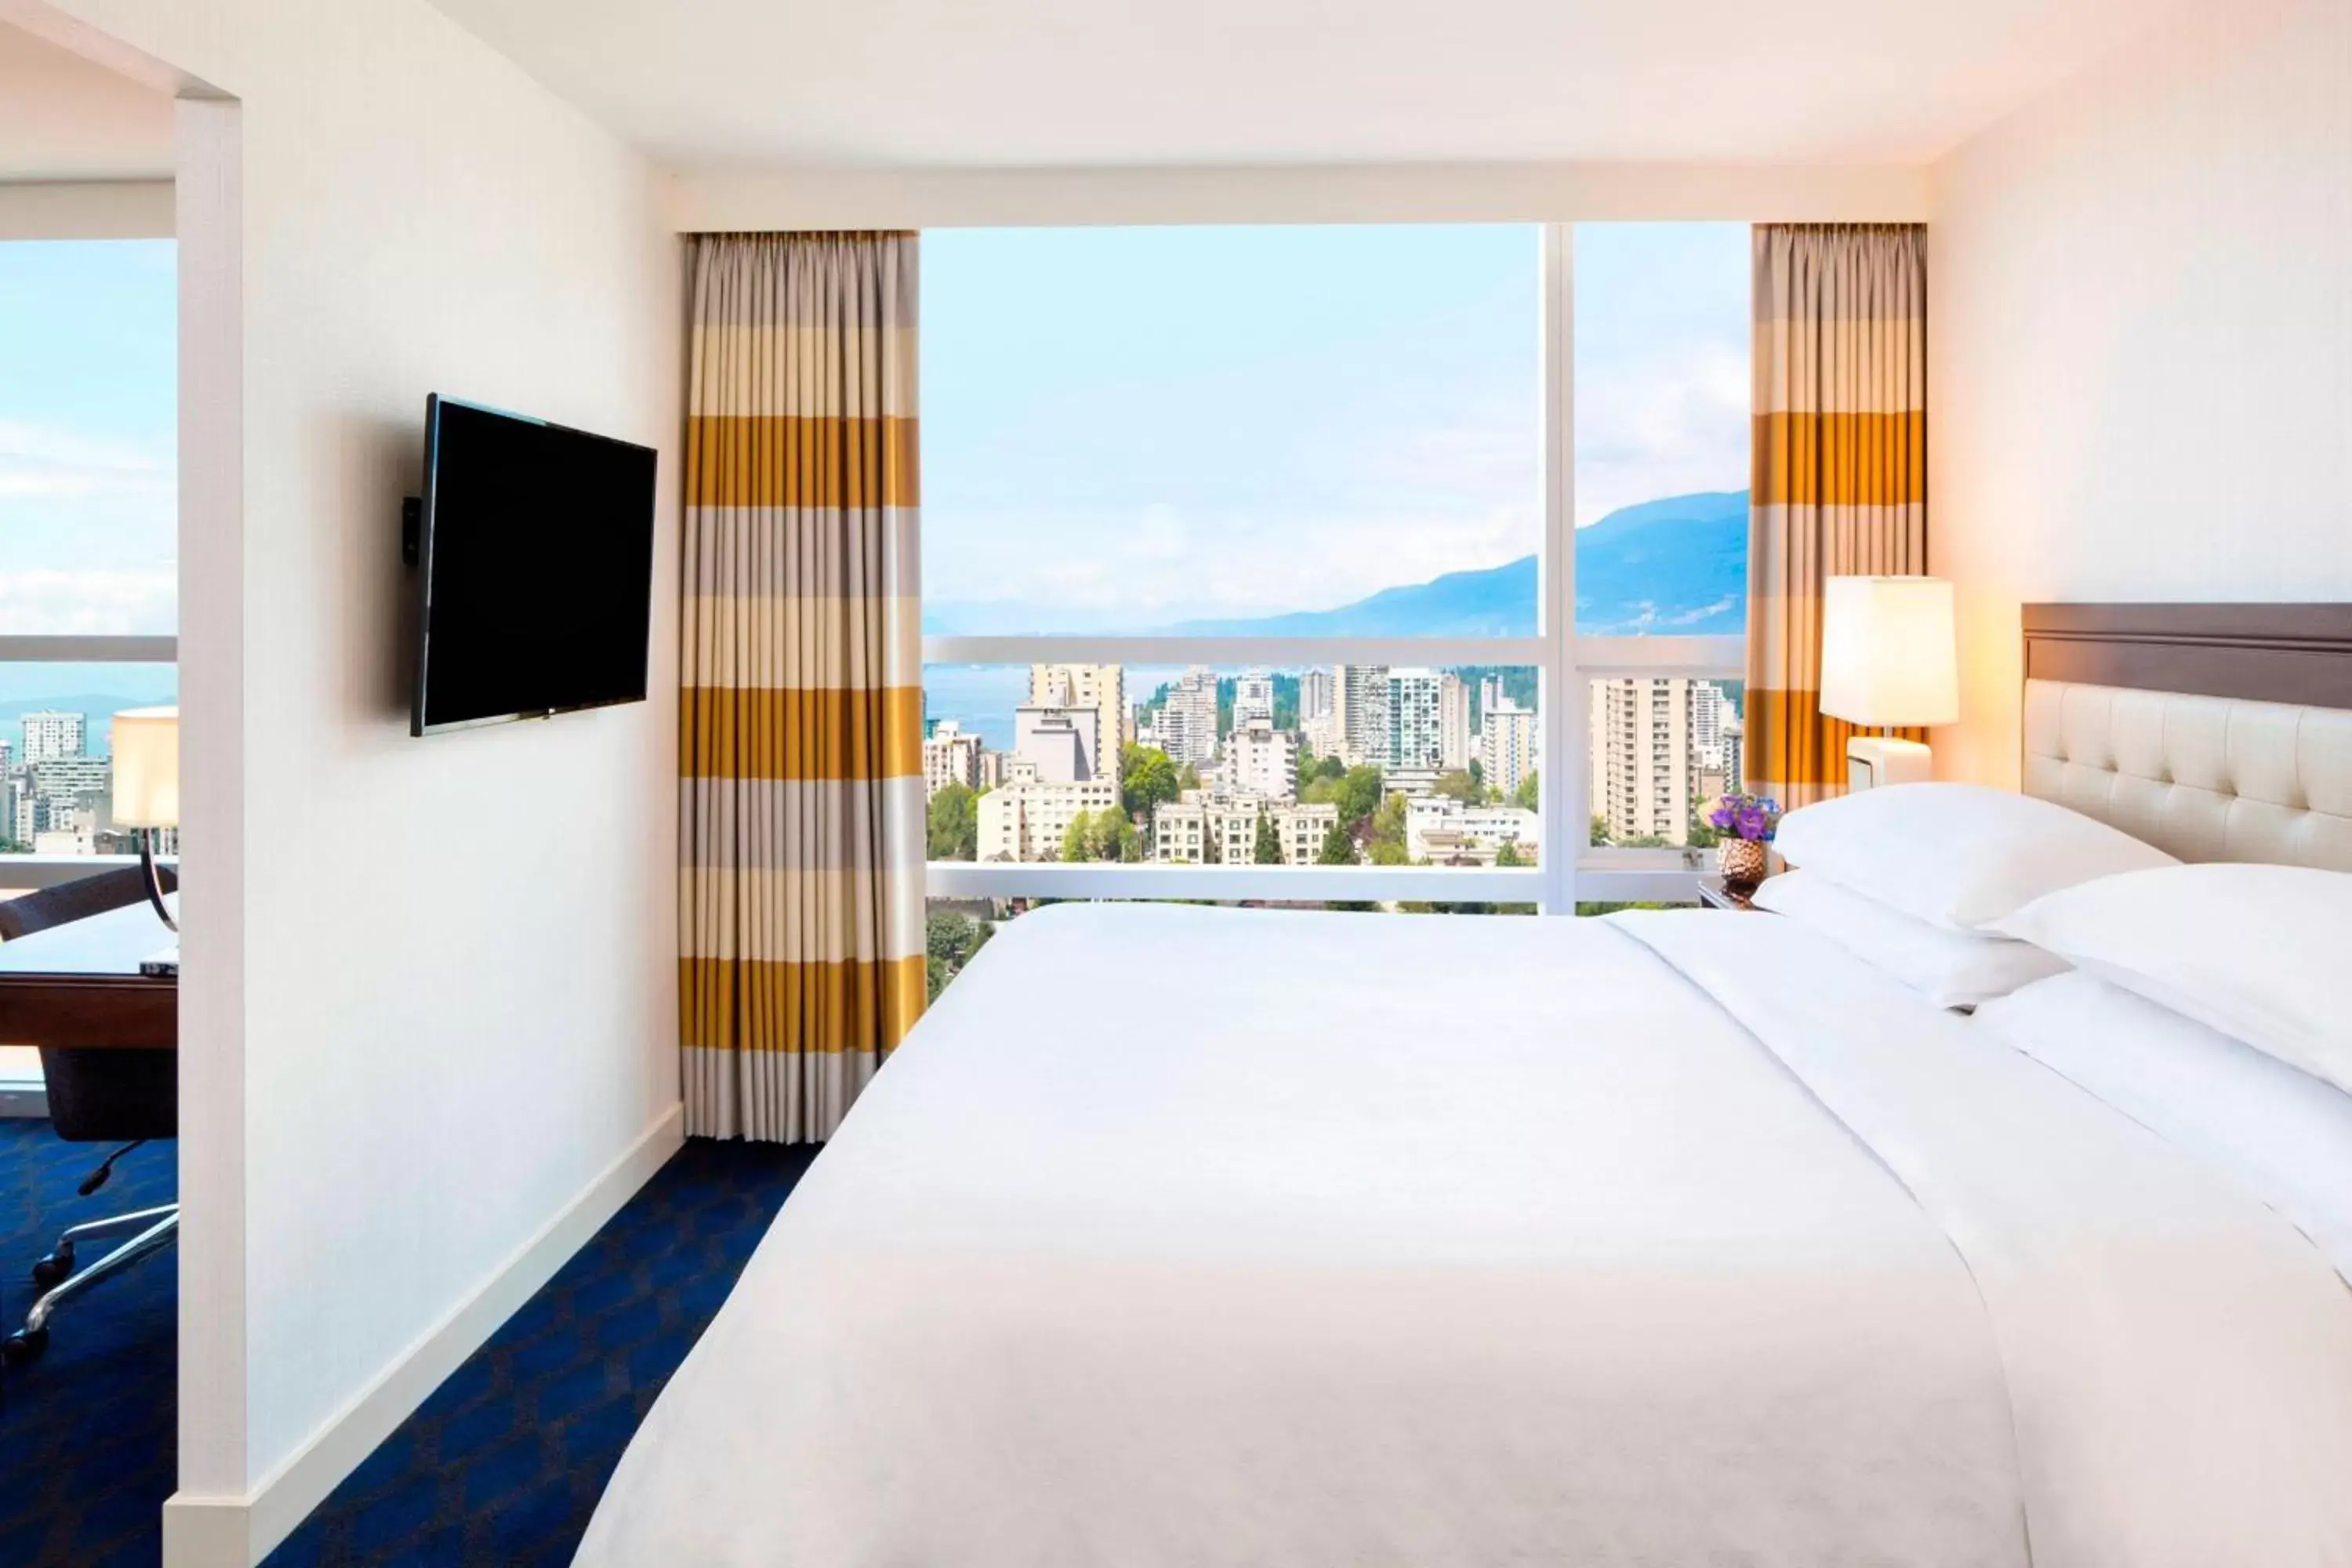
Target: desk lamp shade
[1887,652]
[147,767]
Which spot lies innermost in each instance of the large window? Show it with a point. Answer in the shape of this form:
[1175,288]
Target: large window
[1258,562]
[88,532]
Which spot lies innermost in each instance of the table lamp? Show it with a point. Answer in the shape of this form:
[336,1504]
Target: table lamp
[147,785]
[1888,660]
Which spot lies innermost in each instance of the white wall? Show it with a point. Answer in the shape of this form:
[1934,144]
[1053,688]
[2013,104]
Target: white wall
[2141,343]
[435,979]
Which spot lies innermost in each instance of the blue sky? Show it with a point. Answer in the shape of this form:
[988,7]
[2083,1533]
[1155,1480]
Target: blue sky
[87,410]
[1124,427]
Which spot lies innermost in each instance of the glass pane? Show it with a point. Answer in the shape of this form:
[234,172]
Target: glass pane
[955,930]
[1327,430]
[1661,748]
[1357,764]
[1661,428]
[57,775]
[88,510]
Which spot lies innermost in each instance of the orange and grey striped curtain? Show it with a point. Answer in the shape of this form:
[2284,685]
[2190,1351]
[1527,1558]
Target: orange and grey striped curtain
[1839,470]
[800,760]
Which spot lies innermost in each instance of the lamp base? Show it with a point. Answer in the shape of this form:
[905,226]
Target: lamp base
[1874,760]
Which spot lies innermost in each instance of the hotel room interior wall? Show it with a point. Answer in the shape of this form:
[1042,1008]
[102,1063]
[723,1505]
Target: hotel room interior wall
[457,952]
[2140,340]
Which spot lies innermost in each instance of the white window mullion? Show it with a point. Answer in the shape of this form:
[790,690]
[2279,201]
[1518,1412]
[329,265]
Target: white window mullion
[1561,704]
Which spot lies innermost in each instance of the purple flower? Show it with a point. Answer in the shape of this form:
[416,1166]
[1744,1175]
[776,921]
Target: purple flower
[1752,824]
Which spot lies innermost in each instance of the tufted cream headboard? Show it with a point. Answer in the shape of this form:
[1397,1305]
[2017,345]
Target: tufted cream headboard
[2212,731]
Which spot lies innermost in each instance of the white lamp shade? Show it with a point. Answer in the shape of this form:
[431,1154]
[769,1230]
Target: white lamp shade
[1888,655]
[147,767]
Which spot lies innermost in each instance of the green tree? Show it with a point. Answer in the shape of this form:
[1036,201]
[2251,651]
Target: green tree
[1268,850]
[1385,853]
[1478,772]
[1506,855]
[1527,795]
[949,940]
[955,824]
[1147,779]
[1600,829]
[1105,835]
[1338,848]
[1388,827]
[1461,786]
[1357,795]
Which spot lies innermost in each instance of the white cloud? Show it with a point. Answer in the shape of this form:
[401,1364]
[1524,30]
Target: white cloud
[1666,425]
[1163,562]
[52,462]
[94,603]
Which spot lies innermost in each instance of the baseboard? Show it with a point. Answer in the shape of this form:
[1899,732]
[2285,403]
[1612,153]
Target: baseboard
[239,1532]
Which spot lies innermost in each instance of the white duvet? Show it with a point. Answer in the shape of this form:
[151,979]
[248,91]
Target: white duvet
[1208,1238]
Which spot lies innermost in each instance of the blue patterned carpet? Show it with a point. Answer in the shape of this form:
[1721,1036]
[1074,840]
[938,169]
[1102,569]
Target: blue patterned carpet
[502,1466]
[85,1432]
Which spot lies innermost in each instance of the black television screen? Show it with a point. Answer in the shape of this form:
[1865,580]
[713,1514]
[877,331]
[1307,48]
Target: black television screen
[534,568]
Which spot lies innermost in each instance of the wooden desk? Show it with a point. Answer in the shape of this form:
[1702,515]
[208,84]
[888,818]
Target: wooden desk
[78,984]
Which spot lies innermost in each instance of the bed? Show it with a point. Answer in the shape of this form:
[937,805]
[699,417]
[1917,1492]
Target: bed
[1670,1238]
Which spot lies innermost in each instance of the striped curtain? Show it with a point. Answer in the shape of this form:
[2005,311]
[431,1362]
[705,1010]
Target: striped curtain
[800,757]
[1840,486]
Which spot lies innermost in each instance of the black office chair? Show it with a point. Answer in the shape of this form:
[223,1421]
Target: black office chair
[97,1095]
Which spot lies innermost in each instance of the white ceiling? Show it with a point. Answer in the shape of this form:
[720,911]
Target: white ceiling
[62,117]
[961,83]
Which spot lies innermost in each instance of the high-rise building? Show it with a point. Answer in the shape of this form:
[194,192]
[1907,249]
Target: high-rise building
[1101,687]
[951,756]
[1060,741]
[1253,698]
[51,733]
[1454,733]
[1359,713]
[1261,759]
[1708,708]
[1416,741]
[1188,717]
[1508,740]
[1735,756]
[1645,768]
[1314,695]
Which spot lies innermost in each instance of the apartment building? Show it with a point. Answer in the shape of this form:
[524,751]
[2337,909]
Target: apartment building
[1645,768]
[951,755]
[1098,689]
[1507,742]
[1026,821]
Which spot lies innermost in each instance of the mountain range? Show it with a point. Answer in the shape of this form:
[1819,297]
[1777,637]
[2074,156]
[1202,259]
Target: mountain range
[1675,566]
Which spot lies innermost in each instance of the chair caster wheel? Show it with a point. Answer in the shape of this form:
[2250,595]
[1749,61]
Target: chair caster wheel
[25,1346]
[55,1269]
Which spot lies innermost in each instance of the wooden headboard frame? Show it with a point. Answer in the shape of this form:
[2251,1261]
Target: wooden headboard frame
[2214,732]
[2263,652]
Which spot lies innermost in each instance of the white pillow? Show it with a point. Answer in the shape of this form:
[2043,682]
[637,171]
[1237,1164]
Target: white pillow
[1959,855]
[2251,951]
[2281,1134]
[1951,968]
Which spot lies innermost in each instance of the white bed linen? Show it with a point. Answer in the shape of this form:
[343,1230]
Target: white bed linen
[2279,1133]
[1451,1241]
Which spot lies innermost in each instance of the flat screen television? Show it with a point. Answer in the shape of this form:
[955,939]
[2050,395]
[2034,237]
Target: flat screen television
[534,569]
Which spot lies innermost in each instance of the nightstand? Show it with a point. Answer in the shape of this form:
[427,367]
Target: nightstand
[1714,893]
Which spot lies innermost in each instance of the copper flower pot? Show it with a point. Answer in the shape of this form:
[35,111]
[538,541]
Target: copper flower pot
[1740,860]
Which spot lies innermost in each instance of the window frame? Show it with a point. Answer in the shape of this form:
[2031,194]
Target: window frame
[1565,664]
